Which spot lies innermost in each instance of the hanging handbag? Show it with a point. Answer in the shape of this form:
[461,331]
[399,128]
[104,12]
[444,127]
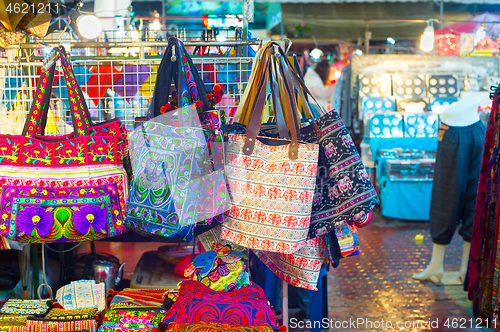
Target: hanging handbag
[60,189]
[344,191]
[271,181]
[177,157]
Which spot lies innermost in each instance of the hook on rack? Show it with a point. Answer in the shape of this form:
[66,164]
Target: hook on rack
[52,57]
[495,91]
[173,58]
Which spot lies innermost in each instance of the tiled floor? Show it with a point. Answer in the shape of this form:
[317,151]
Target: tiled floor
[377,285]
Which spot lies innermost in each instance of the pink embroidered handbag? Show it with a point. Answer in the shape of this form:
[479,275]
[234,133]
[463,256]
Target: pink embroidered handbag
[66,188]
[271,181]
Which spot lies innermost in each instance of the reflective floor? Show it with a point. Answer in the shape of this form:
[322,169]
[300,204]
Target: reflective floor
[374,290]
[377,285]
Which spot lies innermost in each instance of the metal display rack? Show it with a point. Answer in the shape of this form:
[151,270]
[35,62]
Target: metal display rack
[113,86]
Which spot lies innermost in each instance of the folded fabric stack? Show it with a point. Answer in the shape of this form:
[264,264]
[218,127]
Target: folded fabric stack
[199,308]
[138,298]
[134,310]
[133,319]
[56,319]
[14,312]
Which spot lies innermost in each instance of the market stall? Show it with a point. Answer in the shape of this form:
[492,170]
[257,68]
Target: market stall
[400,101]
[186,182]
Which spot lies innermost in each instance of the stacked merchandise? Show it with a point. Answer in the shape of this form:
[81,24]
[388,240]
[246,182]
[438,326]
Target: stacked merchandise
[134,310]
[293,191]
[76,309]
[484,268]
[15,312]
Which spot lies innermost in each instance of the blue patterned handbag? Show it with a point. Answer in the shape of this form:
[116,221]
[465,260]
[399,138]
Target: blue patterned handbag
[178,171]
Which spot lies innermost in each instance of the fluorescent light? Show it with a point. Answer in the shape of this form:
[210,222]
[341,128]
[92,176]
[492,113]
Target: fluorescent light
[391,41]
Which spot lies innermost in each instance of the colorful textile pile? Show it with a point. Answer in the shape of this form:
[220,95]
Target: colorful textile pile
[197,303]
[136,298]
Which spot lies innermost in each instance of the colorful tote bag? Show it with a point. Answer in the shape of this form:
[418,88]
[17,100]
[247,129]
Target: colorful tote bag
[197,303]
[70,188]
[219,268]
[177,158]
[204,327]
[301,268]
[271,181]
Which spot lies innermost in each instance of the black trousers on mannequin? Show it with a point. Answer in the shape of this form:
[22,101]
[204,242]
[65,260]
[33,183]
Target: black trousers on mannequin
[458,164]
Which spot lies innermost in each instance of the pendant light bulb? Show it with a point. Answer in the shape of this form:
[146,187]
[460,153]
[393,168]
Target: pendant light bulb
[89,26]
[427,38]
[481,32]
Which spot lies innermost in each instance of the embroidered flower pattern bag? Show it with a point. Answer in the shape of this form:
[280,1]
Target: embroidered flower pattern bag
[271,181]
[61,189]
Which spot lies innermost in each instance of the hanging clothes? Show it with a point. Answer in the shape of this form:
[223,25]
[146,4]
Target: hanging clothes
[484,261]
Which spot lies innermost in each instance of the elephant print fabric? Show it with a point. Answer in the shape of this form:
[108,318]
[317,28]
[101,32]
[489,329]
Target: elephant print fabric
[300,269]
[343,189]
[271,195]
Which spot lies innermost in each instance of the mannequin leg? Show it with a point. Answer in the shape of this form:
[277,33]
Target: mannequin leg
[465,260]
[434,271]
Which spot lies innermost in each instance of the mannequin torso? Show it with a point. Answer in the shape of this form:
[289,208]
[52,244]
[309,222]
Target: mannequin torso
[462,113]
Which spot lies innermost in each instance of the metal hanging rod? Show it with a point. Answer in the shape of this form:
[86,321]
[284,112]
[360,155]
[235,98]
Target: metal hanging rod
[138,44]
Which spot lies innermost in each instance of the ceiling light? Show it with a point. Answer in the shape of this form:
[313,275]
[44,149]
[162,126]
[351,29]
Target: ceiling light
[316,53]
[89,26]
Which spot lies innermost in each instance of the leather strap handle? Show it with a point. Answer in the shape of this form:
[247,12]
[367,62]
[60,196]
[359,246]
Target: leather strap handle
[270,66]
[37,117]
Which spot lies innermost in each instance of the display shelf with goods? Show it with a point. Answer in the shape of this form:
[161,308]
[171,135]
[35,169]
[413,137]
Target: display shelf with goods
[128,92]
[401,99]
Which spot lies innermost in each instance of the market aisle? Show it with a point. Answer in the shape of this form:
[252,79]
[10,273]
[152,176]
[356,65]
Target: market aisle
[378,285]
